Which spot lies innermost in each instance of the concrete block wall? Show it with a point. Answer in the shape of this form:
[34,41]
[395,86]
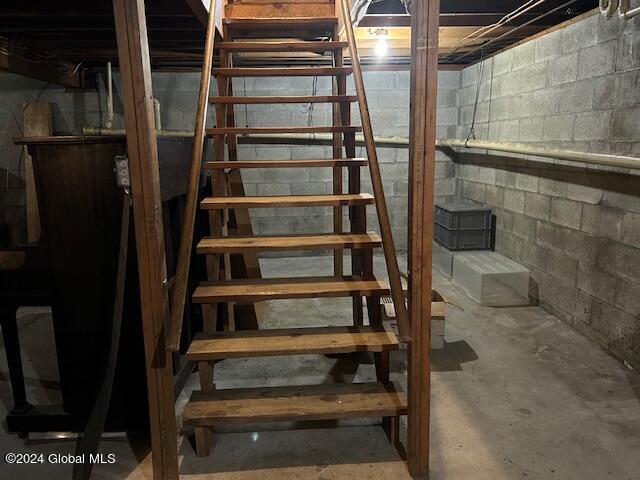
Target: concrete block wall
[576,226]
[388,97]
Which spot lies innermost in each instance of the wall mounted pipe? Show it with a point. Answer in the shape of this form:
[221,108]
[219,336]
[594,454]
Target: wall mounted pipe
[403,142]
[609,7]
[109,121]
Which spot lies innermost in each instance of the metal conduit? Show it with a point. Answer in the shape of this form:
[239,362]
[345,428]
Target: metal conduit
[403,142]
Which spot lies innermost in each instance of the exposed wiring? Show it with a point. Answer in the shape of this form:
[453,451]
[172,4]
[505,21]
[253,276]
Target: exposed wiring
[481,32]
[472,130]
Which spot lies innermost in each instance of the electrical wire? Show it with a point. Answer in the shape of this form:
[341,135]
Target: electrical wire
[481,32]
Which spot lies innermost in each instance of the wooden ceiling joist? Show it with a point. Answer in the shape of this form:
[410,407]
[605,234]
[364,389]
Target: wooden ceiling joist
[41,70]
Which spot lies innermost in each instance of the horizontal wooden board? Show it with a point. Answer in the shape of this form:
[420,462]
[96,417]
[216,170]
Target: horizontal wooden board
[281,71]
[280,22]
[309,46]
[323,162]
[290,341]
[299,403]
[328,241]
[262,130]
[255,290]
[217,203]
[264,100]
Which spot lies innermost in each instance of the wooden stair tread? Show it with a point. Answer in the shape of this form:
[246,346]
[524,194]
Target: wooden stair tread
[311,402]
[254,290]
[216,203]
[309,46]
[262,130]
[281,71]
[322,162]
[239,100]
[289,242]
[290,341]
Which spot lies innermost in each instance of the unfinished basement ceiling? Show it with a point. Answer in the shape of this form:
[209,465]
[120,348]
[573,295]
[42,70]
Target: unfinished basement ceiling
[68,33]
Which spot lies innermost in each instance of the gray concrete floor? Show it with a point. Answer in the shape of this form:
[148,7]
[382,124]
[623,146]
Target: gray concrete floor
[515,394]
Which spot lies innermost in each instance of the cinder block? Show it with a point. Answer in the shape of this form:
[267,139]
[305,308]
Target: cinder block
[558,127]
[273,152]
[566,213]
[628,92]
[631,229]
[548,46]
[552,187]
[506,178]
[563,70]
[532,77]
[599,284]
[495,196]
[527,181]
[587,188]
[562,267]
[619,259]
[514,200]
[274,189]
[628,51]
[502,63]
[583,247]
[446,79]
[603,221]
[508,131]
[551,236]
[536,205]
[530,129]
[576,97]
[523,55]
[625,124]
[379,80]
[447,116]
[597,60]
[524,227]
[580,34]
[592,125]
[627,296]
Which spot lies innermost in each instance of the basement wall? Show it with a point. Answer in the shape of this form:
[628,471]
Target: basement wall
[388,96]
[577,227]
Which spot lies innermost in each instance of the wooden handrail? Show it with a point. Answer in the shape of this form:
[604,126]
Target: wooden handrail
[181,277]
[376,182]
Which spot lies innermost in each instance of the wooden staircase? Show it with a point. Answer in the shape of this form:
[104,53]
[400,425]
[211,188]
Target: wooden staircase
[209,406]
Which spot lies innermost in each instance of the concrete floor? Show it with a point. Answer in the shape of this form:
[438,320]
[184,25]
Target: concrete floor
[515,394]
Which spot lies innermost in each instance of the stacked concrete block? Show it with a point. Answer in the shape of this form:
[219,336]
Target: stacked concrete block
[575,226]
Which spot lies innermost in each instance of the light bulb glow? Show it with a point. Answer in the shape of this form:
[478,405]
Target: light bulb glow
[381,47]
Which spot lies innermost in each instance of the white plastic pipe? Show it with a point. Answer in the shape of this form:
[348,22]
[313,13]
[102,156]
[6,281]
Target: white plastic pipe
[624,11]
[109,121]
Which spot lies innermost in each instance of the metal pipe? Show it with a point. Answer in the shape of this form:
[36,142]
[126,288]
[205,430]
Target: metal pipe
[156,114]
[608,7]
[109,121]
[624,12]
[524,149]
[403,142]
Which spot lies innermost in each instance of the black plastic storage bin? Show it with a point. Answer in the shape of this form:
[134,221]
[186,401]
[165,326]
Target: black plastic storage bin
[458,214]
[462,225]
[471,239]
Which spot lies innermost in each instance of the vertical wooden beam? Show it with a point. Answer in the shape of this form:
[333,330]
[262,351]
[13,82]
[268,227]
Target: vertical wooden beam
[424,84]
[135,72]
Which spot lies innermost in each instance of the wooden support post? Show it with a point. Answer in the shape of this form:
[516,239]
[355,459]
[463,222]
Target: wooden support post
[424,84]
[142,148]
[338,82]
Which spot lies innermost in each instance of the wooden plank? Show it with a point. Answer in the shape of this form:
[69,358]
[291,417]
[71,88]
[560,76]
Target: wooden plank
[41,70]
[291,341]
[299,8]
[256,23]
[309,46]
[37,121]
[424,85]
[282,71]
[309,402]
[215,203]
[252,290]
[259,130]
[181,276]
[376,181]
[284,99]
[288,242]
[326,162]
[135,74]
